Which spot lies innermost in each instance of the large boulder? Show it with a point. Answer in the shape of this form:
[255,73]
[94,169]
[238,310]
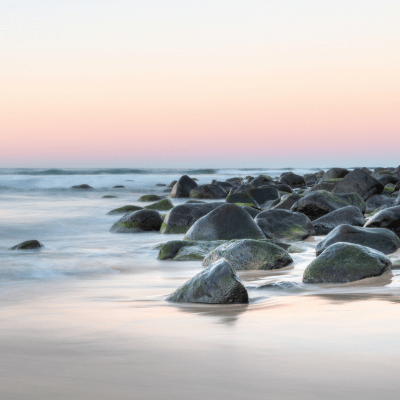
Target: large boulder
[28,245]
[249,254]
[224,185]
[253,212]
[359,182]
[208,192]
[345,262]
[379,239]
[284,225]
[378,200]
[225,223]
[260,181]
[287,202]
[242,198]
[350,215]
[183,187]
[293,180]
[335,173]
[138,221]
[388,218]
[319,203]
[218,284]
[180,218]
[263,194]
[124,210]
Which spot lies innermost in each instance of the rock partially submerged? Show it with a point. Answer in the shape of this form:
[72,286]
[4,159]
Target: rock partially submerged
[350,215]
[186,250]
[250,254]
[388,218]
[162,205]
[208,192]
[226,222]
[82,187]
[28,245]
[345,262]
[124,210]
[138,221]
[284,225]
[150,197]
[183,187]
[218,284]
[379,239]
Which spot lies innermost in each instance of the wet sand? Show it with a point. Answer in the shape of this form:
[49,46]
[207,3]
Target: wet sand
[82,341]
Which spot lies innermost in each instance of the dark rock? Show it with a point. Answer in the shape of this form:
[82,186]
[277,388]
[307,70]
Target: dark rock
[242,199]
[124,210]
[162,205]
[359,182]
[28,245]
[335,173]
[345,262]
[180,218]
[118,187]
[388,218]
[293,180]
[224,185]
[287,202]
[108,196]
[218,284]
[250,254]
[226,222]
[350,215]
[138,221]
[260,181]
[172,184]
[185,250]
[385,179]
[377,238]
[311,179]
[241,188]
[235,181]
[319,203]
[161,184]
[195,201]
[168,190]
[82,187]
[284,225]
[264,194]
[282,187]
[378,200]
[208,192]
[253,212]
[150,197]
[183,187]
[325,185]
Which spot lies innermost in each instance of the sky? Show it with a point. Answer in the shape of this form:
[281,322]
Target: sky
[221,83]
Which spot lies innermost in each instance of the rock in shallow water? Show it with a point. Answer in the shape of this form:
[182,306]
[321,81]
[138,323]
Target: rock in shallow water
[208,192]
[250,254]
[28,245]
[150,197]
[379,239]
[183,187]
[345,262]
[138,221]
[124,210]
[218,284]
[163,205]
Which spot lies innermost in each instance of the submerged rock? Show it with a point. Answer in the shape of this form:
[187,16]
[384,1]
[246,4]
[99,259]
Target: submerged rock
[350,215]
[208,192]
[183,187]
[118,187]
[250,254]
[28,245]
[162,205]
[226,222]
[180,218]
[284,225]
[218,284]
[150,197]
[379,239]
[109,196]
[345,262]
[82,187]
[138,221]
[388,218]
[124,210]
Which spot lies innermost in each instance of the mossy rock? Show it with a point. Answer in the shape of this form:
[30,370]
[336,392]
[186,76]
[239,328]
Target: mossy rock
[242,199]
[28,245]
[138,221]
[109,196]
[162,205]
[248,205]
[124,210]
[173,230]
[172,249]
[385,172]
[150,197]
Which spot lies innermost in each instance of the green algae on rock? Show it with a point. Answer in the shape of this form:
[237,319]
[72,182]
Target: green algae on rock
[162,205]
[138,221]
[124,210]
[150,197]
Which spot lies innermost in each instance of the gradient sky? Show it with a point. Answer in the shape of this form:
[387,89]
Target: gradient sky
[221,83]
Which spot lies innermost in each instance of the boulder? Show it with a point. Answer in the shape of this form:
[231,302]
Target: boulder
[124,210]
[284,225]
[242,198]
[82,187]
[359,182]
[234,181]
[311,179]
[263,194]
[319,203]
[28,245]
[118,187]
[385,179]
[185,250]
[218,284]
[379,239]
[325,185]
[293,180]
[183,187]
[226,222]
[282,187]
[388,218]
[350,215]
[208,192]
[248,254]
[287,202]
[224,185]
[160,184]
[162,205]
[335,173]
[241,188]
[252,211]
[172,184]
[150,197]
[345,262]
[109,196]
[260,181]
[378,200]
[180,218]
[138,221]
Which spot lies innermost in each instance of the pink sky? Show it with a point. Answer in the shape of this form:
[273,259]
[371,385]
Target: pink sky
[250,84]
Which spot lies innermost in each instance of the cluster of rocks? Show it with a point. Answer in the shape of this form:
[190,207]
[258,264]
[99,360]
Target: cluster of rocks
[251,222]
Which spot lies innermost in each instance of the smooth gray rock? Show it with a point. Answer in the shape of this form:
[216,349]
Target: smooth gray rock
[378,200]
[287,202]
[208,192]
[293,180]
[284,225]
[183,187]
[218,284]
[345,262]
[335,173]
[263,194]
[242,198]
[251,211]
[380,239]
[138,221]
[385,179]
[350,215]
[225,223]
[248,254]
[388,218]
